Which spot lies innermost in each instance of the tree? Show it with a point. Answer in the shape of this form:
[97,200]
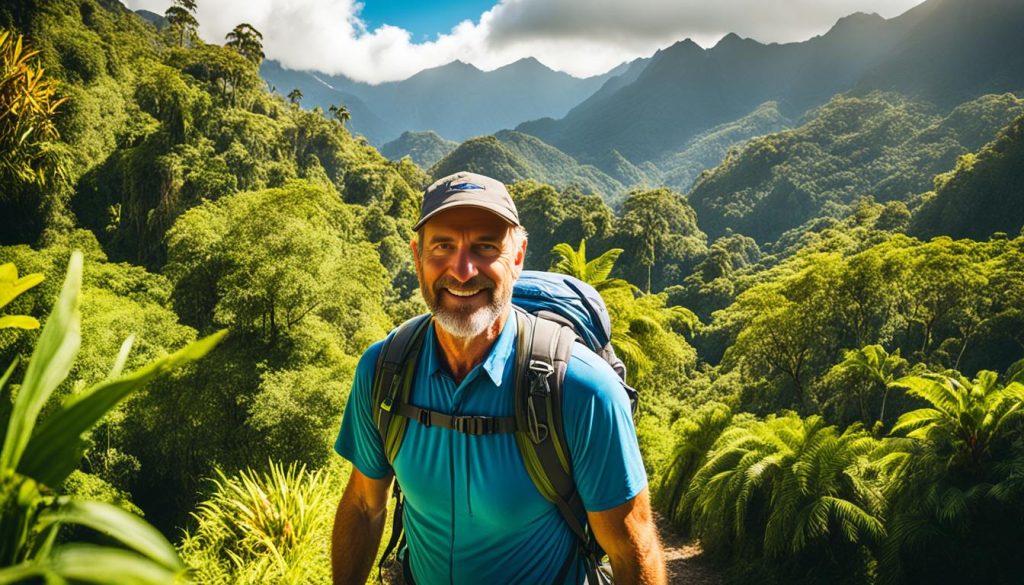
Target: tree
[28,104]
[879,367]
[956,488]
[248,41]
[295,96]
[593,272]
[658,229]
[182,17]
[340,113]
[644,331]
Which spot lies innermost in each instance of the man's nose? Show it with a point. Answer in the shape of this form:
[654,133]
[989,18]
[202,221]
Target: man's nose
[464,268]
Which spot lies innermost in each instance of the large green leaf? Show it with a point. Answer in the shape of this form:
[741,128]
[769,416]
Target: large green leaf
[51,361]
[119,524]
[55,448]
[18,322]
[96,564]
[11,286]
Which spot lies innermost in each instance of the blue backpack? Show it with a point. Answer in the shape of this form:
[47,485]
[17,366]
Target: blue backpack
[553,312]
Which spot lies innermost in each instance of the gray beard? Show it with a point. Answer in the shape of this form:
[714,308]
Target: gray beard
[466,324]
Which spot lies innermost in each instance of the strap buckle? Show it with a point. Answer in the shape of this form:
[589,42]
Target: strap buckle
[424,418]
[541,372]
[473,425]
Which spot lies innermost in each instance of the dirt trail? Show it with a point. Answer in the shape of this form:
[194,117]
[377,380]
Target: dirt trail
[685,559]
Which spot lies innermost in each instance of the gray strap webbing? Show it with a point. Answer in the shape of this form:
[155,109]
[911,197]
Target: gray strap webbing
[543,365]
[399,348]
[470,425]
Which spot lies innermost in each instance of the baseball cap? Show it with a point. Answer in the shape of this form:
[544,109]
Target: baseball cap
[465,189]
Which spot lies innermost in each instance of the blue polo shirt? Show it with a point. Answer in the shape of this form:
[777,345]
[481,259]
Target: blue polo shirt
[472,513]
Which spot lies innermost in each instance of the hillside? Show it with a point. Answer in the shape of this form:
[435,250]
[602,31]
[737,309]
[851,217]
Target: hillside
[512,156]
[424,148]
[880,145]
[708,149]
[982,195]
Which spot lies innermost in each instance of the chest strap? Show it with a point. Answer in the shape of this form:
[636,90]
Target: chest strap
[470,425]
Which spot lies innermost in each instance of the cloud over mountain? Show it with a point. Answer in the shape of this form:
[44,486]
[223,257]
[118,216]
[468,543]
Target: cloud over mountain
[580,37]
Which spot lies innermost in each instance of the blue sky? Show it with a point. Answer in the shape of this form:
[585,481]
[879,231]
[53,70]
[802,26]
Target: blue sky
[386,40]
[425,19]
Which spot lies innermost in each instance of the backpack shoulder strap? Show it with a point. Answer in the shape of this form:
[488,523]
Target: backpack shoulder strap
[393,378]
[543,352]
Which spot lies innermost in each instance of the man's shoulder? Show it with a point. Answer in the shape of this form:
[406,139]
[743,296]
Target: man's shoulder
[368,361]
[588,375]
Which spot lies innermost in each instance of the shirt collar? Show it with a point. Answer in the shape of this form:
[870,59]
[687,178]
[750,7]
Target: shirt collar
[497,360]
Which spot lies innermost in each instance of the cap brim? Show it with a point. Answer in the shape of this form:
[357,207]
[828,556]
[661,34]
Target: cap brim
[498,210]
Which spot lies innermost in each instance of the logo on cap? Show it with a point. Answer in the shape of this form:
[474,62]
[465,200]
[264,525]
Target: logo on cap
[463,187]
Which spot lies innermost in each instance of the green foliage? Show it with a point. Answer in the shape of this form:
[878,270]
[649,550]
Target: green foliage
[868,369]
[786,487]
[709,148]
[642,326]
[956,487]
[33,164]
[10,287]
[265,527]
[248,41]
[936,302]
[33,458]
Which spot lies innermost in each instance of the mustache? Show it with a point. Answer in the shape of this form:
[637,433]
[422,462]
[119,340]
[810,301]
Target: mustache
[478,281]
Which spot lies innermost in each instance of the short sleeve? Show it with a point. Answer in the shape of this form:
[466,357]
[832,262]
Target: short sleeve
[607,466]
[358,440]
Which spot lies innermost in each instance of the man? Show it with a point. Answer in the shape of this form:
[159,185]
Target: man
[472,513]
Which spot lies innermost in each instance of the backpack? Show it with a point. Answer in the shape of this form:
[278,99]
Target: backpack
[553,311]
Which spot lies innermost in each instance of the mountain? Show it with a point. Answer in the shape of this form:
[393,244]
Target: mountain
[962,49]
[882,145]
[153,18]
[942,51]
[424,148]
[511,156]
[456,100]
[317,92]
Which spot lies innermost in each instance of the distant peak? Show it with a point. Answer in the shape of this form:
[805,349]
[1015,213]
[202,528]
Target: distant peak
[729,39]
[683,46]
[526,63]
[857,20]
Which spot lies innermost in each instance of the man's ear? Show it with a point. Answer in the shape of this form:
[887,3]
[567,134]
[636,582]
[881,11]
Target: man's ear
[414,246]
[521,255]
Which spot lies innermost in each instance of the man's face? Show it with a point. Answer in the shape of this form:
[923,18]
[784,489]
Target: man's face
[466,269]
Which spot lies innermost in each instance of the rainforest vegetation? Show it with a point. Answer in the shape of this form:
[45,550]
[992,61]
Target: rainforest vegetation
[826,330]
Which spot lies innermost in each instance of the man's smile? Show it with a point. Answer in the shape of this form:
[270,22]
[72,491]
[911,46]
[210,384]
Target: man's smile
[463,293]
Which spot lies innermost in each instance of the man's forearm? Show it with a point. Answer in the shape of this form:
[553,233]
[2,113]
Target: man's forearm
[645,566]
[355,541]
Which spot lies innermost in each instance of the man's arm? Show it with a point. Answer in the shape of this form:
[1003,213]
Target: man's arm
[358,526]
[627,533]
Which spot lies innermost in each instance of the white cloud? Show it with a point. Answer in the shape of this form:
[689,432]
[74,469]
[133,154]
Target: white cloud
[581,37]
